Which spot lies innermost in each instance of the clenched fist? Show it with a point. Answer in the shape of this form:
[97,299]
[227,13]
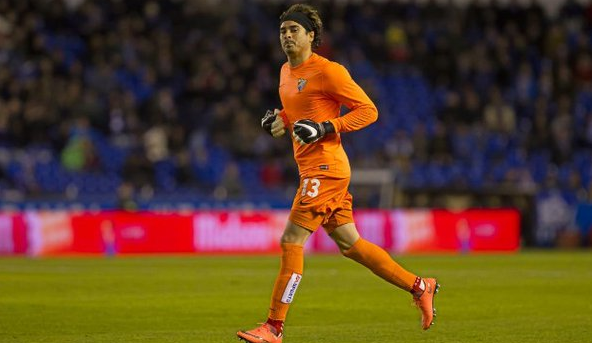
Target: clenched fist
[273,123]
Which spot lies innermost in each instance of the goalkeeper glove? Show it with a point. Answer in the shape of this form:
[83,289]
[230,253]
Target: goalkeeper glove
[273,124]
[307,131]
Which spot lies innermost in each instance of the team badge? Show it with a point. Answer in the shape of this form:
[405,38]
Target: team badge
[301,84]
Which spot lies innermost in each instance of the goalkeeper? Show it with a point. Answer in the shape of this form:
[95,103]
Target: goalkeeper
[312,90]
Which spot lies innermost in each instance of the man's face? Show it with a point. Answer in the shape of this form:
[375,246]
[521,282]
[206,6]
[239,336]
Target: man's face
[294,38]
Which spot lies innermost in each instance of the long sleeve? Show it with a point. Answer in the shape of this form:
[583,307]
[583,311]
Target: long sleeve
[338,84]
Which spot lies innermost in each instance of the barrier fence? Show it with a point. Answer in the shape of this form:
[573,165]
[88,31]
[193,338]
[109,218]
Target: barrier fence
[48,233]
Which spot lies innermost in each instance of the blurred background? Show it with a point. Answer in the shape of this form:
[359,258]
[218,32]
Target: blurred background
[154,106]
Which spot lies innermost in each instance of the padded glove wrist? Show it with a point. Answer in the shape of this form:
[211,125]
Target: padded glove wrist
[307,131]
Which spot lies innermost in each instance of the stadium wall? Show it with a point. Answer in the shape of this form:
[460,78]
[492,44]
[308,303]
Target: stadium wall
[51,233]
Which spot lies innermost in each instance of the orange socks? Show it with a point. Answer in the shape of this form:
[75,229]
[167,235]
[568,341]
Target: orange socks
[287,281]
[292,264]
[380,263]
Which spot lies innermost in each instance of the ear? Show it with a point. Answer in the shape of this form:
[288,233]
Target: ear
[311,36]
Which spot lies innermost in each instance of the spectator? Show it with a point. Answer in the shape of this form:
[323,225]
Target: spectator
[79,155]
[138,171]
[114,88]
[498,115]
[230,186]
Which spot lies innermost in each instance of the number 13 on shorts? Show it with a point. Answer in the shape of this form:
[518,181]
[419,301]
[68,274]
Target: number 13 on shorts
[310,187]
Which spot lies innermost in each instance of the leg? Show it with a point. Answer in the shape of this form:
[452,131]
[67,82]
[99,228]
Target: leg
[371,256]
[292,266]
[295,234]
[286,283]
[380,263]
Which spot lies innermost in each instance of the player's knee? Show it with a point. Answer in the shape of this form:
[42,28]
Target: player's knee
[290,237]
[345,252]
[345,237]
[344,247]
[287,238]
[295,234]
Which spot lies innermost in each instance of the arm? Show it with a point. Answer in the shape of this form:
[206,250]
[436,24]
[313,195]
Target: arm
[338,84]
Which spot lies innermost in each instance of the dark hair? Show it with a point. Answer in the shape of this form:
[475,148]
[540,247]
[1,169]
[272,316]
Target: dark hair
[313,15]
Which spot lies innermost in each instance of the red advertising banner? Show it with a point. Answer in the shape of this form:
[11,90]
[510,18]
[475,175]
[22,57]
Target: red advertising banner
[477,230]
[222,232]
[421,230]
[48,232]
[238,231]
[132,233]
[13,235]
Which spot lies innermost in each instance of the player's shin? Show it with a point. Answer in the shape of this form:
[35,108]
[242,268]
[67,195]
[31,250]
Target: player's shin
[286,283]
[380,263]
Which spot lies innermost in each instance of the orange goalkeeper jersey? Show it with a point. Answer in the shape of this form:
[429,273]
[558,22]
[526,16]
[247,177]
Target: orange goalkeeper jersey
[316,90]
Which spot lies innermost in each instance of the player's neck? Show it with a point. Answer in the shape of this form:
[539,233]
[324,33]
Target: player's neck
[298,59]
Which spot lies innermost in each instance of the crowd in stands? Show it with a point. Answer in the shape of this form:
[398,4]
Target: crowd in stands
[165,97]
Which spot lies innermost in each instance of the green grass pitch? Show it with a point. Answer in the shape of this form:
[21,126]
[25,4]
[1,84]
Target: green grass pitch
[528,297]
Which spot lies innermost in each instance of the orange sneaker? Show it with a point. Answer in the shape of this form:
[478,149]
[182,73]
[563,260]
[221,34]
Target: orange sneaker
[425,302]
[263,334]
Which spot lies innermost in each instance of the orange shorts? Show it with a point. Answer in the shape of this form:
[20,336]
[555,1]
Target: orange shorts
[322,201]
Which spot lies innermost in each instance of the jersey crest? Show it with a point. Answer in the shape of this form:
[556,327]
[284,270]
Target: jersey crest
[301,84]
